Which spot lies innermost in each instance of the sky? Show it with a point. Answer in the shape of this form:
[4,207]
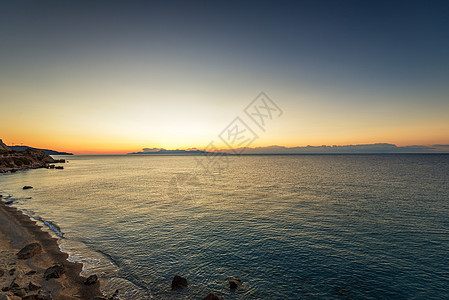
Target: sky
[119,76]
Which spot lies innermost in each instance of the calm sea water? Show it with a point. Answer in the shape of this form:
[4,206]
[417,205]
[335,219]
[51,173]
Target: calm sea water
[290,227]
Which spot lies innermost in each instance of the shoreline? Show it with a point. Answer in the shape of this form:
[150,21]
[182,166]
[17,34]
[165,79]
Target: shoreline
[18,230]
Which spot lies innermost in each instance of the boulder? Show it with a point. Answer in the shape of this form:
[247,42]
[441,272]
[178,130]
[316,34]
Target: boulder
[212,296]
[54,272]
[20,292]
[32,272]
[12,271]
[4,297]
[234,283]
[178,282]
[59,167]
[29,251]
[9,202]
[33,287]
[92,279]
[2,272]
[27,187]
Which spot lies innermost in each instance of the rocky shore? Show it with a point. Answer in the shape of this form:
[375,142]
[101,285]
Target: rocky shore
[32,265]
[12,161]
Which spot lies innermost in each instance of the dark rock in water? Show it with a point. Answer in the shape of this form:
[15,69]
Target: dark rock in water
[32,272]
[212,296]
[54,272]
[178,282]
[341,291]
[12,271]
[234,283]
[59,167]
[27,187]
[33,287]
[29,251]
[9,202]
[91,280]
[2,272]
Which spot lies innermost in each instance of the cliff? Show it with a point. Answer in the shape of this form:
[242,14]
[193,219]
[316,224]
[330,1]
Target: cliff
[29,159]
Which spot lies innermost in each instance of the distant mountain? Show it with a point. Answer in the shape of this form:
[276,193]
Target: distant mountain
[47,151]
[346,149]
[324,149]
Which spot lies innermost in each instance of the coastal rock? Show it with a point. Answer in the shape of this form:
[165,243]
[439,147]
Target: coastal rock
[178,282]
[212,296]
[4,297]
[59,167]
[41,296]
[92,279]
[20,292]
[33,287]
[54,272]
[27,187]
[9,202]
[234,283]
[29,251]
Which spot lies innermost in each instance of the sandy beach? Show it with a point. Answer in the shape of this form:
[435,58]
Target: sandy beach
[24,278]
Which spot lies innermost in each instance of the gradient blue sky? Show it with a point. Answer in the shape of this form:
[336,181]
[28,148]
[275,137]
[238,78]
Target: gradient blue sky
[117,76]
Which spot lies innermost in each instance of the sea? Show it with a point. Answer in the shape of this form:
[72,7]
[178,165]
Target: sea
[288,226]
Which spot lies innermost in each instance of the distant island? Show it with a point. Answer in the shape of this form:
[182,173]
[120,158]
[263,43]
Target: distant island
[378,148]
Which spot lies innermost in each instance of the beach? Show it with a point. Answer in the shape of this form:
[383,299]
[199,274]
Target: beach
[24,278]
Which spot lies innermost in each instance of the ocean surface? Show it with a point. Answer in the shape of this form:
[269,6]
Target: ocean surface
[290,227]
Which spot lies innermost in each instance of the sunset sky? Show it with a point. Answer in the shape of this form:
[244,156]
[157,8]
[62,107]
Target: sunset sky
[118,76]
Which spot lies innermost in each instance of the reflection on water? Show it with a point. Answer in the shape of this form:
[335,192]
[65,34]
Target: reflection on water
[309,226]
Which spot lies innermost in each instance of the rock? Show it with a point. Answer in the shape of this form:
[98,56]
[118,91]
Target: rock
[4,297]
[178,282]
[27,187]
[12,271]
[20,292]
[13,284]
[32,272]
[212,296]
[92,279]
[2,272]
[33,287]
[5,289]
[59,167]
[234,283]
[29,251]
[9,202]
[41,296]
[54,272]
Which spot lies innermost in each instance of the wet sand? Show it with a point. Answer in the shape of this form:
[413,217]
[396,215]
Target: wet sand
[18,230]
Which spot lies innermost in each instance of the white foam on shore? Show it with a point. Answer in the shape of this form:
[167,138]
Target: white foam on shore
[93,262]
